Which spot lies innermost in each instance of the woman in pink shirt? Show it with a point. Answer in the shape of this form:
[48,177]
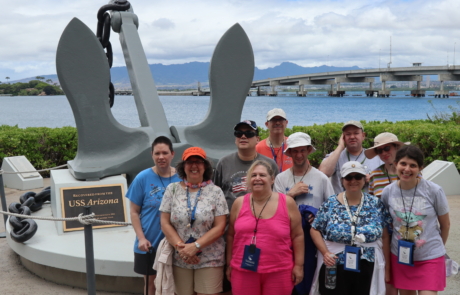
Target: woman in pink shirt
[265,243]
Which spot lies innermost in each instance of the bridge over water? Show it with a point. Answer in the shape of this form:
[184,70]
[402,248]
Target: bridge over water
[414,73]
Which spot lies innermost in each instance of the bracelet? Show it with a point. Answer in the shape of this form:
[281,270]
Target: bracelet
[177,244]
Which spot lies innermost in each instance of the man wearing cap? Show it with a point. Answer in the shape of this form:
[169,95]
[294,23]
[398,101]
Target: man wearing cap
[350,148]
[230,173]
[308,186]
[273,146]
[303,182]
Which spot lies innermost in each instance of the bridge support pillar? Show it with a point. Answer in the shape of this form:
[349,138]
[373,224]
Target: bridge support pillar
[301,91]
[273,85]
[441,93]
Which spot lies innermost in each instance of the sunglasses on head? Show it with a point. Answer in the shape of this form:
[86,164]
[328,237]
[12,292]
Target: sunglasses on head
[356,177]
[248,134]
[384,149]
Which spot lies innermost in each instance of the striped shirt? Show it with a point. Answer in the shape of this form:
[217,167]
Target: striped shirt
[379,179]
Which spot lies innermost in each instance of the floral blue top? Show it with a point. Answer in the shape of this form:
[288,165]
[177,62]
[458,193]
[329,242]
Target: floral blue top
[334,223]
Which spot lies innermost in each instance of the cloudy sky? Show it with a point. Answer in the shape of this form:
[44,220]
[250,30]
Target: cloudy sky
[305,32]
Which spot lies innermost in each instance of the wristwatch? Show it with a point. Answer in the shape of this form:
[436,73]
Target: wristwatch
[198,246]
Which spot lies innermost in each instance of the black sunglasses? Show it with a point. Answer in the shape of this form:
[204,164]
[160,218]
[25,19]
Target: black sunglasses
[248,134]
[356,176]
[385,149]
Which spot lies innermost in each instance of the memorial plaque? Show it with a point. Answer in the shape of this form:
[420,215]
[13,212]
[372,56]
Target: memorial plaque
[106,202]
[20,164]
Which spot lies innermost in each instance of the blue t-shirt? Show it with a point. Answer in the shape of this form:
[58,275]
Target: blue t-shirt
[334,223]
[147,191]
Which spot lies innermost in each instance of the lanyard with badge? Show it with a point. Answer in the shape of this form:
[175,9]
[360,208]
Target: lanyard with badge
[352,253]
[275,155]
[406,246]
[191,213]
[251,252]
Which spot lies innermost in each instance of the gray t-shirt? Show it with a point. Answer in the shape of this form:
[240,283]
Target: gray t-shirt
[370,165]
[319,186]
[429,203]
[230,175]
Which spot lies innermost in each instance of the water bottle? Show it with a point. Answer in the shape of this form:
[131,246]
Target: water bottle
[331,275]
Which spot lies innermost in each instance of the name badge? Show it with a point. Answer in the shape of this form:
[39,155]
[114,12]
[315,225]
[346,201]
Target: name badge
[406,252]
[250,258]
[352,256]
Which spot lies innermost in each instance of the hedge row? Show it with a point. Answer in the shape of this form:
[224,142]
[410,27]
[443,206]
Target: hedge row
[438,141]
[43,147]
[49,147]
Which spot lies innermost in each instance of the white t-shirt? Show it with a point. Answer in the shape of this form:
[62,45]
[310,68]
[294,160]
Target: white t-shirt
[369,164]
[429,203]
[319,186]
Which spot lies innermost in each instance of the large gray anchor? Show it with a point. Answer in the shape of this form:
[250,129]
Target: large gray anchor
[106,147]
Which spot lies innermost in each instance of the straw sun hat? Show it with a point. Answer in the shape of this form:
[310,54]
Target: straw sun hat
[383,139]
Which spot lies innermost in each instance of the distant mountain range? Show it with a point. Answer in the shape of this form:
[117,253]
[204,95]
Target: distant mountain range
[193,72]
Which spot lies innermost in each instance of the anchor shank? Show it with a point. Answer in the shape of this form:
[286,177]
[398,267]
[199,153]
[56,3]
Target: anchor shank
[149,107]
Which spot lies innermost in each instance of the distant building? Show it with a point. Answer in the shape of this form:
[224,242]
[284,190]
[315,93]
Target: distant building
[417,64]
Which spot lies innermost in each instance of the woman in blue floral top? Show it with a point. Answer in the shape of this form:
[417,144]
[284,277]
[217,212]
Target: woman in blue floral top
[359,221]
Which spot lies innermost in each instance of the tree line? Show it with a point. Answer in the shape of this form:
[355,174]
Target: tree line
[33,87]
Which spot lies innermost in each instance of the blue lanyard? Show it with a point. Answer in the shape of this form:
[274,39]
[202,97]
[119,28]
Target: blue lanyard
[275,155]
[189,206]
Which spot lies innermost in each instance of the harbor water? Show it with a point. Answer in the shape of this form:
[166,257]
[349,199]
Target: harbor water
[316,108]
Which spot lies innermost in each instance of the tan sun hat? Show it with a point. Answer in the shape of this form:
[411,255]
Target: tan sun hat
[382,139]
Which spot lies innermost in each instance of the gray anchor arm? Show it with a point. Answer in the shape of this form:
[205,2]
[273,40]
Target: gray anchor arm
[105,147]
[230,77]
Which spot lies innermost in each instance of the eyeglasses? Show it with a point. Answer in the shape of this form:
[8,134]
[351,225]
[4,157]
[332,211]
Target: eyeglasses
[275,120]
[248,134]
[355,176]
[384,149]
[196,162]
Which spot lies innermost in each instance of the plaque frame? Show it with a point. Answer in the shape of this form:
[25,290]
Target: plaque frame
[64,190]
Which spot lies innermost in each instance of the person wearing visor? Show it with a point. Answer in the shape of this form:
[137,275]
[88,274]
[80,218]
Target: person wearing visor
[275,144]
[385,146]
[265,241]
[193,219]
[421,227]
[350,230]
[231,170]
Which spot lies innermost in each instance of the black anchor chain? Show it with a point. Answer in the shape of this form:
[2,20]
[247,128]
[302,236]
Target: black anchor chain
[24,229]
[103,34]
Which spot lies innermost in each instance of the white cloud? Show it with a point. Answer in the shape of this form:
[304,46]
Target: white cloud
[307,32]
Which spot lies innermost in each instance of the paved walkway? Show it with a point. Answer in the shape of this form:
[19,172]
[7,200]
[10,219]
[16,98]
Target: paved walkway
[15,279]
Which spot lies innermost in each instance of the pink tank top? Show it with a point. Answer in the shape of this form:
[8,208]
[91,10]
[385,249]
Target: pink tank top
[273,238]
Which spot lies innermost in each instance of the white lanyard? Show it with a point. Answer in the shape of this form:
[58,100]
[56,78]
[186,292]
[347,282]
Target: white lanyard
[353,218]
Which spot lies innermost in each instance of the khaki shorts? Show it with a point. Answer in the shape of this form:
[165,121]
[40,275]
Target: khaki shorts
[206,280]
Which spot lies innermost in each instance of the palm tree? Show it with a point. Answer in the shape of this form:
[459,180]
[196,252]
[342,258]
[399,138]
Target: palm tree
[7,78]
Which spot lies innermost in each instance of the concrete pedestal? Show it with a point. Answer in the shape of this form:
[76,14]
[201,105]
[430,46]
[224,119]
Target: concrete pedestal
[21,181]
[60,256]
[444,174]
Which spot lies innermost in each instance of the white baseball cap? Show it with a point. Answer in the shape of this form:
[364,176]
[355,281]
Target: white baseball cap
[276,113]
[352,167]
[353,123]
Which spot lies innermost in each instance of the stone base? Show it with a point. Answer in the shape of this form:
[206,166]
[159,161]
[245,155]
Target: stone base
[78,279]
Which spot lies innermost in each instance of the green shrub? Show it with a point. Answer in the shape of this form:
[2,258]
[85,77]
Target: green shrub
[438,141]
[49,147]
[43,147]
